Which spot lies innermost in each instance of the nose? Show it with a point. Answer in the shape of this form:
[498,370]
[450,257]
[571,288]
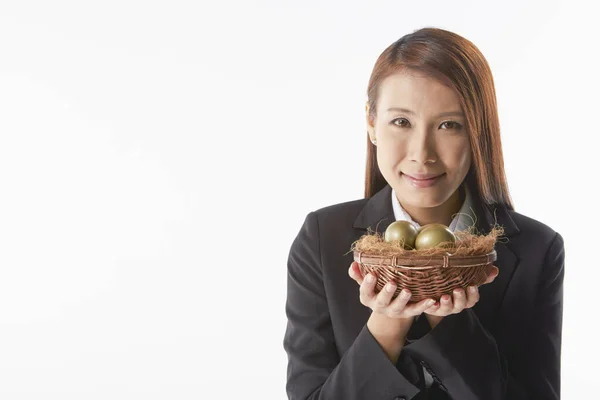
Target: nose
[421,147]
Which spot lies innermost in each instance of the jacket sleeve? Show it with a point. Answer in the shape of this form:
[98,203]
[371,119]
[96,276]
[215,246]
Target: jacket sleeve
[315,369]
[465,358]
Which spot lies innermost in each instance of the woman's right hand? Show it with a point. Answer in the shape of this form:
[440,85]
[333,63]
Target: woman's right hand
[381,302]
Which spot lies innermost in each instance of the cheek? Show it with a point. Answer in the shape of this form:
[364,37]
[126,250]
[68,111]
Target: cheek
[459,156]
[467,158]
[389,158]
[390,149]
[464,159]
[393,146]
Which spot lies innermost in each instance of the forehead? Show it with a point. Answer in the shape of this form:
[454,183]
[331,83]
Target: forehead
[418,92]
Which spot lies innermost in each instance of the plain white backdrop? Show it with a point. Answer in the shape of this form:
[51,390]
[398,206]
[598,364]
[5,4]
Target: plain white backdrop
[158,158]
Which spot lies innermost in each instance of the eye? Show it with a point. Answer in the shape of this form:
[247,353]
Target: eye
[399,119]
[453,124]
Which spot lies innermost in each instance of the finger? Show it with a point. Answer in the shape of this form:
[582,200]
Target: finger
[398,305]
[433,310]
[472,296]
[492,274]
[419,307]
[367,289]
[384,297]
[460,300]
[446,305]
[354,272]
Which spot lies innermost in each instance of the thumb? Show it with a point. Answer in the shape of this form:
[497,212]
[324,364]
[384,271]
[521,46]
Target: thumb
[354,272]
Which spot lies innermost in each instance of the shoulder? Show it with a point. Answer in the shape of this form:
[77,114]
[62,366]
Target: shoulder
[341,214]
[536,234]
[530,226]
[332,222]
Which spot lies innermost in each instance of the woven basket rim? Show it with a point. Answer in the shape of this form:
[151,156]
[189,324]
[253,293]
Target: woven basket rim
[426,262]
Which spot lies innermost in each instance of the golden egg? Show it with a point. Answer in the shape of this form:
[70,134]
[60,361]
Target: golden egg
[434,235]
[403,231]
[434,225]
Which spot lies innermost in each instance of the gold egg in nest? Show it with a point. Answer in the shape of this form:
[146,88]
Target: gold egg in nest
[434,235]
[403,231]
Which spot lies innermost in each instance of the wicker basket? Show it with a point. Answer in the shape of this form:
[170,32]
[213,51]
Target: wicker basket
[428,276]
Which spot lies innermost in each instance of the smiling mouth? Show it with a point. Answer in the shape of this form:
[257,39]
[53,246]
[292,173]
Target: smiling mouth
[422,177]
[422,183]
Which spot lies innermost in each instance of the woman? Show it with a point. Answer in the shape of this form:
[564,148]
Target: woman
[434,156]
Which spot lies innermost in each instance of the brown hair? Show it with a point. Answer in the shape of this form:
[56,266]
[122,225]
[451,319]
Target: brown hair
[458,63]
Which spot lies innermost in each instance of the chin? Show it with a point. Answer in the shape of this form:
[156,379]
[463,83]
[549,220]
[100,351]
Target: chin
[428,197]
[424,202]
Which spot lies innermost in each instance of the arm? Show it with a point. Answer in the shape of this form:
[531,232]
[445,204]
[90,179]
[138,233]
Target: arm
[466,358]
[315,369]
[433,320]
[390,334]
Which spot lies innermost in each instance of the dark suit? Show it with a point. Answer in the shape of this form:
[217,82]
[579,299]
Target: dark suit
[506,347]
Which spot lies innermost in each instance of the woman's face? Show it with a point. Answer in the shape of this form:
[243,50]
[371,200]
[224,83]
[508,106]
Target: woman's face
[425,138]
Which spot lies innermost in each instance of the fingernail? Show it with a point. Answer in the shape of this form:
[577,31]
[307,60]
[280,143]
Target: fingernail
[405,293]
[472,289]
[430,303]
[370,278]
[457,292]
[390,288]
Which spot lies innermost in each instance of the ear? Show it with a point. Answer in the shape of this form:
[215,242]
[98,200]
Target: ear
[370,123]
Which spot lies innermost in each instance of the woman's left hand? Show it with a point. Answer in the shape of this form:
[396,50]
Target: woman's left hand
[462,300]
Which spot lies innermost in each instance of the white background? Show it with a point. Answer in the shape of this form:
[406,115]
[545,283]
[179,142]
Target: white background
[158,158]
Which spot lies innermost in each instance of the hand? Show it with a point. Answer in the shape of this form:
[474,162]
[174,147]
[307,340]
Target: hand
[382,302]
[461,301]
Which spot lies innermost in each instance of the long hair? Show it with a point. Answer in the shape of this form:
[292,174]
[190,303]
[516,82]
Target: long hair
[458,63]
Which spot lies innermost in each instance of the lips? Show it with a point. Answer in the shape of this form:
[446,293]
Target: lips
[422,177]
[422,180]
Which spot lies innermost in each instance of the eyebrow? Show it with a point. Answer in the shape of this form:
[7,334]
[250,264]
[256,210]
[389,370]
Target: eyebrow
[459,113]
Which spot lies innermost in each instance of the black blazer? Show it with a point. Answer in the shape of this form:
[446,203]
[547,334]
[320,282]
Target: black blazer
[508,346]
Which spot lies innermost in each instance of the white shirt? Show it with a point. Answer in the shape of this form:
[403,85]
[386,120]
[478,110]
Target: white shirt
[464,218]
[461,221]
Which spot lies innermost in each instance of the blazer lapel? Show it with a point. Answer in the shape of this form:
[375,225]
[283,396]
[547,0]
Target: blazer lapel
[378,214]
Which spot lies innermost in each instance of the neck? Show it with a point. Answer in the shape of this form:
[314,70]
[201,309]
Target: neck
[441,214]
